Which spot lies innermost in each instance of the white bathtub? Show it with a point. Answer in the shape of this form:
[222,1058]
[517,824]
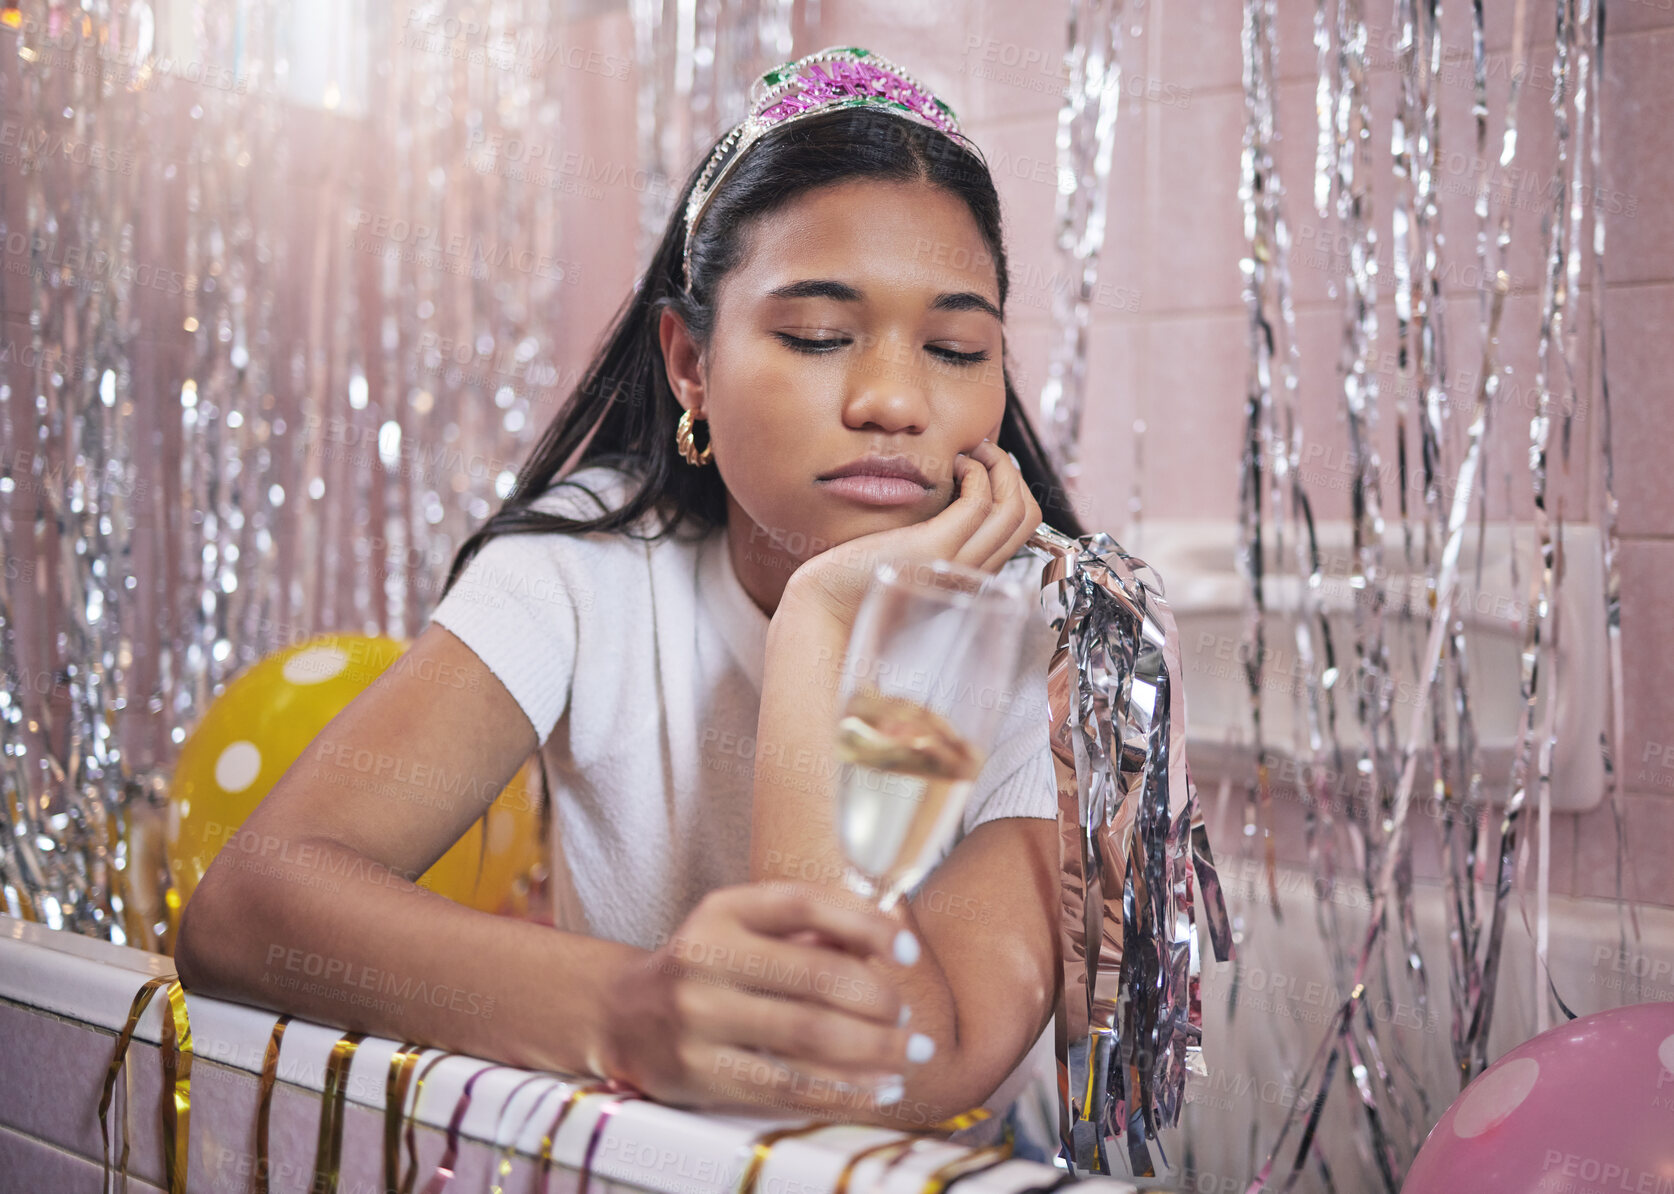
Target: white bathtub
[64,998]
[1288,995]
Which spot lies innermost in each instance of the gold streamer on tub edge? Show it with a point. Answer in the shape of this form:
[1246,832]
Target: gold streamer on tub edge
[412,1122]
[264,1099]
[119,1057]
[611,1106]
[175,1055]
[899,1146]
[570,1104]
[328,1150]
[443,1172]
[508,1151]
[762,1145]
[396,1083]
[177,1088]
[960,1168]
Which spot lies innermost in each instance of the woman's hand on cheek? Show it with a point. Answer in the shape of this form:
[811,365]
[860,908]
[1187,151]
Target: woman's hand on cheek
[1010,513]
[990,518]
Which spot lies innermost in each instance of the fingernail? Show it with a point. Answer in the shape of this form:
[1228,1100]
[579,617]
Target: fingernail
[906,947]
[906,1014]
[920,1048]
[890,1091]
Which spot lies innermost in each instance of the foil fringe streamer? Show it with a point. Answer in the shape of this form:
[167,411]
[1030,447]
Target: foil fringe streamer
[696,60]
[1262,228]
[1612,736]
[898,1147]
[400,1078]
[1274,430]
[177,1089]
[1085,142]
[1456,779]
[396,1083]
[1421,360]
[289,433]
[1579,28]
[1271,466]
[1540,611]
[176,1052]
[69,482]
[759,1149]
[1132,840]
[1339,1040]
[961,1168]
[569,1105]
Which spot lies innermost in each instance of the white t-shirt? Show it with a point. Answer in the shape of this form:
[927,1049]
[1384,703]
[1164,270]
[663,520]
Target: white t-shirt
[640,667]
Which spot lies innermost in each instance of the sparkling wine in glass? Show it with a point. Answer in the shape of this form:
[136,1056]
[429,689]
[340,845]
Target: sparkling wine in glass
[928,677]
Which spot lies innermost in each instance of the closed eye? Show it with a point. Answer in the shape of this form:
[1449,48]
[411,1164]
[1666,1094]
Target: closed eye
[804,344]
[960,358]
[823,345]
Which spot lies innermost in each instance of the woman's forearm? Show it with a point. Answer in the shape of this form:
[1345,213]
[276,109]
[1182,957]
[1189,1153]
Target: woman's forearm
[793,828]
[314,928]
[794,835]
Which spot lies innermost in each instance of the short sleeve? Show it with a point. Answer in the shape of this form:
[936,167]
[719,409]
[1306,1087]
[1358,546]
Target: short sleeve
[1019,779]
[517,604]
[509,605]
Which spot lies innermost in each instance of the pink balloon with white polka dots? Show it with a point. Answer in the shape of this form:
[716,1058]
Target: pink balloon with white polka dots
[1587,1106]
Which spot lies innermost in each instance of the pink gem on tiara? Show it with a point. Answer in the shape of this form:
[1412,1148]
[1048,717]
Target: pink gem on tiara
[849,80]
[834,78]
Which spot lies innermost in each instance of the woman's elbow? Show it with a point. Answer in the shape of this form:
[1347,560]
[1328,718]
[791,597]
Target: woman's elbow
[200,942]
[186,964]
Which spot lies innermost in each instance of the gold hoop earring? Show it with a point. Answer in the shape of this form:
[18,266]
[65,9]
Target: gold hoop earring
[683,438]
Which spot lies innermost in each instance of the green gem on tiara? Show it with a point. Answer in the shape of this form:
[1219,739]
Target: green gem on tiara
[836,78]
[827,78]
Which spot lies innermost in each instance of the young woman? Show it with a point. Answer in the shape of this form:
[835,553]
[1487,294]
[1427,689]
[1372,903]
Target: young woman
[666,625]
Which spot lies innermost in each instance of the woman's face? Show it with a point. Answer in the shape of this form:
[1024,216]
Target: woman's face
[861,334]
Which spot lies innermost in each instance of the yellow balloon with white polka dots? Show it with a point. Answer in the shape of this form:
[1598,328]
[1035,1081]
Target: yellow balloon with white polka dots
[276,709]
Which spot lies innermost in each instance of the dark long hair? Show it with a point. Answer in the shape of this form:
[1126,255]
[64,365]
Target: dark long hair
[623,413]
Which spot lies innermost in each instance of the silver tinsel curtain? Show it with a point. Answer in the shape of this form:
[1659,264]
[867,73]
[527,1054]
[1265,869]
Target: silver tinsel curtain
[280,291]
[1432,492]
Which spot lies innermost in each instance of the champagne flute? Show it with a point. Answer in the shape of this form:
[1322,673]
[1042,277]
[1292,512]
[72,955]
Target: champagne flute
[926,682]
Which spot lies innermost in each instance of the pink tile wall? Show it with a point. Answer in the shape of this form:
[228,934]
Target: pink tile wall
[599,219]
[31,1164]
[1168,342]
[1176,355]
[51,1139]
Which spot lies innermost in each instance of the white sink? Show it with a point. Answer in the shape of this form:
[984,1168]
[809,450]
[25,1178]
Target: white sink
[1197,562]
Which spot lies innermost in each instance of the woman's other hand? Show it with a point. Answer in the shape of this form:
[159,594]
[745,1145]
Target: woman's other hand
[769,994]
[993,515]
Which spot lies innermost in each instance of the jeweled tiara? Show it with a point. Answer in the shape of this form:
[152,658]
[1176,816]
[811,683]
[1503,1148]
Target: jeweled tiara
[833,78]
